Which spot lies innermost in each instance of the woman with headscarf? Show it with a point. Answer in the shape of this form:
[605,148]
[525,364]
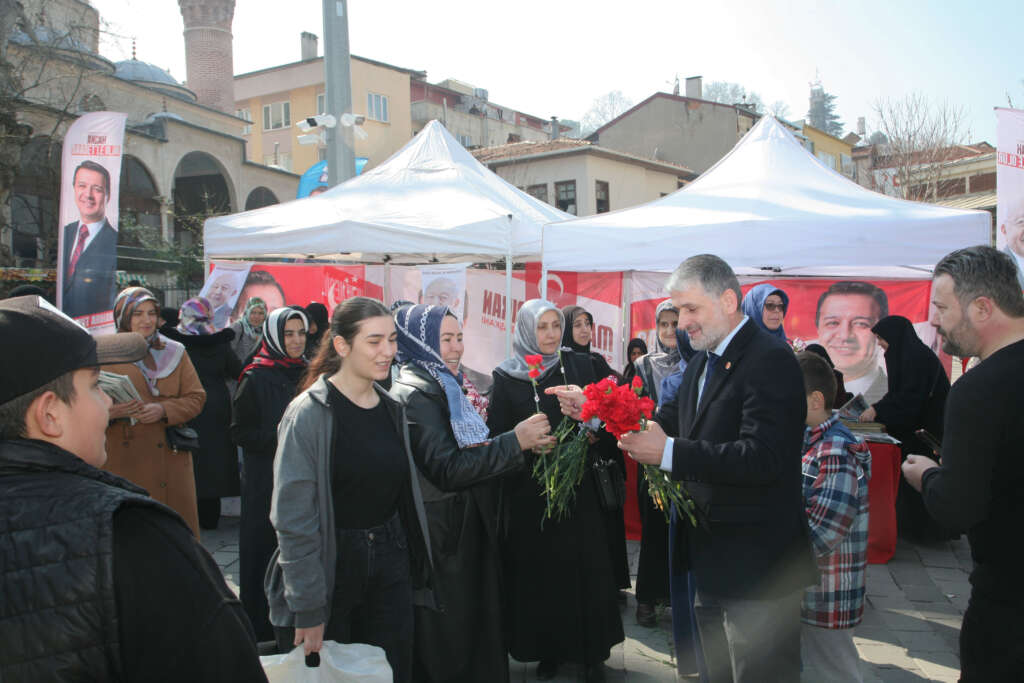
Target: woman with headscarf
[171,394]
[916,399]
[249,330]
[766,305]
[636,348]
[266,387]
[216,460]
[465,641]
[316,314]
[559,584]
[578,333]
[655,366]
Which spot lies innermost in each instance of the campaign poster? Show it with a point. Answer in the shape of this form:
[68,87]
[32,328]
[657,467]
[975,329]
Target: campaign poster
[836,313]
[445,286]
[484,326]
[87,241]
[222,287]
[299,284]
[1010,186]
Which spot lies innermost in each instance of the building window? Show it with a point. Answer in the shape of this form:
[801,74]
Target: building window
[465,140]
[601,191]
[565,196]
[321,103]
[538,191]
[277,115]
[377,107]
[280,160]
[247,115]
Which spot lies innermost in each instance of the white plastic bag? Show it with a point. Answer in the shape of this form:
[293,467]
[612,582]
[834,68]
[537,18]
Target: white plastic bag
[339,663]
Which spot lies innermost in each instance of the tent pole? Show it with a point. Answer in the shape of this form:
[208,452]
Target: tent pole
[387,284]
[626,313]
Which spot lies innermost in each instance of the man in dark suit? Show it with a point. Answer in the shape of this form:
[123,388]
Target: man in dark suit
[733,436]
[89,258]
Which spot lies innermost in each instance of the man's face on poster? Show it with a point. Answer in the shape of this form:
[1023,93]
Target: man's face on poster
[441,292]
[1013,228]
[221,291]
[844,329]
[91,195]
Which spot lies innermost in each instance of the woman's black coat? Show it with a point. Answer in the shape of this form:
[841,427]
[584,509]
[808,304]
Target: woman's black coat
[216,461]
[464,642]
[259,403]
[560,590]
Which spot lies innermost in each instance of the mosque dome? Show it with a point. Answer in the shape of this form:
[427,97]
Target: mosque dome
[152,76]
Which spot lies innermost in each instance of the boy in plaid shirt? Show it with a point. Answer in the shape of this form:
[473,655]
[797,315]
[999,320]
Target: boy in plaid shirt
[836,469]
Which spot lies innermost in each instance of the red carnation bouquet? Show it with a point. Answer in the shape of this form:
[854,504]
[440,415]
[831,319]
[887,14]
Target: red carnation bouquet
[624,409]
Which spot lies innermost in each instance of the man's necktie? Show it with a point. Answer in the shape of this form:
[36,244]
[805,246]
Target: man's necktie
[713,359]
[83,235]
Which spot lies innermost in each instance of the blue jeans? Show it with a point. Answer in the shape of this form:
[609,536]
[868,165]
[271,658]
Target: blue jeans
[372,595]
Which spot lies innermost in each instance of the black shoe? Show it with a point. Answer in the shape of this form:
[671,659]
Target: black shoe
[645,615]
[594,673]
[547,669]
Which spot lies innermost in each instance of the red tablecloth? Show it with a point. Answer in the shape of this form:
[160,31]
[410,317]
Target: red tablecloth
[885,481]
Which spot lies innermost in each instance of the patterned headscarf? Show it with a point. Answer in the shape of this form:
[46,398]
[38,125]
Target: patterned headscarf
[419,343]
[248,328]
[166,353]
[524,341]
[272,353]
[196,317]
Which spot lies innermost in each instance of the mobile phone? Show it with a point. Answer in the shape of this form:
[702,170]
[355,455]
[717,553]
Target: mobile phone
[930,440]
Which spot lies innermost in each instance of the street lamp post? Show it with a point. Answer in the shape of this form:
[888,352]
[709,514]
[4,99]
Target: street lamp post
[341,163]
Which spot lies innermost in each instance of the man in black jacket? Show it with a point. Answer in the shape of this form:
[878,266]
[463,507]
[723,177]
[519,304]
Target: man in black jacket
[100,582]
[978,310]
[733,436]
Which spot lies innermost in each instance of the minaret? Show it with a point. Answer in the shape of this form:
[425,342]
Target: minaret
[208,56]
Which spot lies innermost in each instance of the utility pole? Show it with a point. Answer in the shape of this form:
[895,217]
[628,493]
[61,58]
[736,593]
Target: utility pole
[341,162]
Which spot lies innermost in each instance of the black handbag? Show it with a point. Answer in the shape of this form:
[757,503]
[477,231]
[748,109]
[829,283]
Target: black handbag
[610,484]
[182,438]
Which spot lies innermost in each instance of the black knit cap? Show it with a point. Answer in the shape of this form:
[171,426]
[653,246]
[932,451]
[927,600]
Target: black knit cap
[38,344]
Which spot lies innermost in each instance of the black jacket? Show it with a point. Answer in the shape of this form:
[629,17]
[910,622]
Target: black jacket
[465,641]
[216,461]
[739,457]
[100,582]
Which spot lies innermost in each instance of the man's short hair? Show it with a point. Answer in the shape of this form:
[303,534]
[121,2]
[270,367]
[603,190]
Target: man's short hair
[818,376]
[91,165]
[984,271]
[12,413]
[714,275]
[855,287]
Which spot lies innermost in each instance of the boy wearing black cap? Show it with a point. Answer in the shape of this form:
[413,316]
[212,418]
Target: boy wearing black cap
[99,581]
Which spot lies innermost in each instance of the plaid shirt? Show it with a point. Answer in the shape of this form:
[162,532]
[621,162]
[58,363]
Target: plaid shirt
[836,469]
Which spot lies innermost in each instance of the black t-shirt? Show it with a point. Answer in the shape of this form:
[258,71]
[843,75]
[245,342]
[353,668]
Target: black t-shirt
[177,618]
[369,468]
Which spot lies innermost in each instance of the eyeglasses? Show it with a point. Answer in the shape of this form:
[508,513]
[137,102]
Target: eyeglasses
[777,308]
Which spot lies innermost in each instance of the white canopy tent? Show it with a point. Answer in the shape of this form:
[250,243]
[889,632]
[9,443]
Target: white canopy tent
[430,202]
[768,205]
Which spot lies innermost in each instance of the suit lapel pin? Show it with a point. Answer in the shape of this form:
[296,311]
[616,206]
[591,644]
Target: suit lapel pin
[728,364]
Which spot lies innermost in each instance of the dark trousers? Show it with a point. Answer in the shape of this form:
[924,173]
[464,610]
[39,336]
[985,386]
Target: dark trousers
[372,595]
[750,641]
[991,640]
[682,586]
[209,512]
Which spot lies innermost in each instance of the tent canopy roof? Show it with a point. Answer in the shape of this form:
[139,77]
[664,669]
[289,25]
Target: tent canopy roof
[767,204]
[430,201]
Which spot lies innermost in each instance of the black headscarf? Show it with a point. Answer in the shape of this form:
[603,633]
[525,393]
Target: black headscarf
[601,367]
[630,370]
[917,381]
[317,314]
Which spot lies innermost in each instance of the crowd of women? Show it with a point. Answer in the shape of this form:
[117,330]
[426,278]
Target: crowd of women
[386,500]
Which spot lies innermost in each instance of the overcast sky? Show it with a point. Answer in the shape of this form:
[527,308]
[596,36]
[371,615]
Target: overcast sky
[555,57]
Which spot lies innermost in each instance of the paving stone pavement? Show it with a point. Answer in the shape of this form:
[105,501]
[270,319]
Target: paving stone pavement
[909,634]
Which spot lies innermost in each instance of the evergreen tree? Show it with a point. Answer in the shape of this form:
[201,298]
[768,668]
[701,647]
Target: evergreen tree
[822,113]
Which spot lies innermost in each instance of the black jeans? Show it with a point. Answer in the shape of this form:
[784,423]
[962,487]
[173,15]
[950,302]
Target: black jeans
[991,640]
[372,595]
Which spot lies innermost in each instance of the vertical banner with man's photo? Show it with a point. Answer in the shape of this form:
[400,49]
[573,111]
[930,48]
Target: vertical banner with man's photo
[223,285]
[445,286]
[87,241]
[1010,185]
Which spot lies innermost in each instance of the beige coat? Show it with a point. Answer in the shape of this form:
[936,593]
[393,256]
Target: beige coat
[140,453]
